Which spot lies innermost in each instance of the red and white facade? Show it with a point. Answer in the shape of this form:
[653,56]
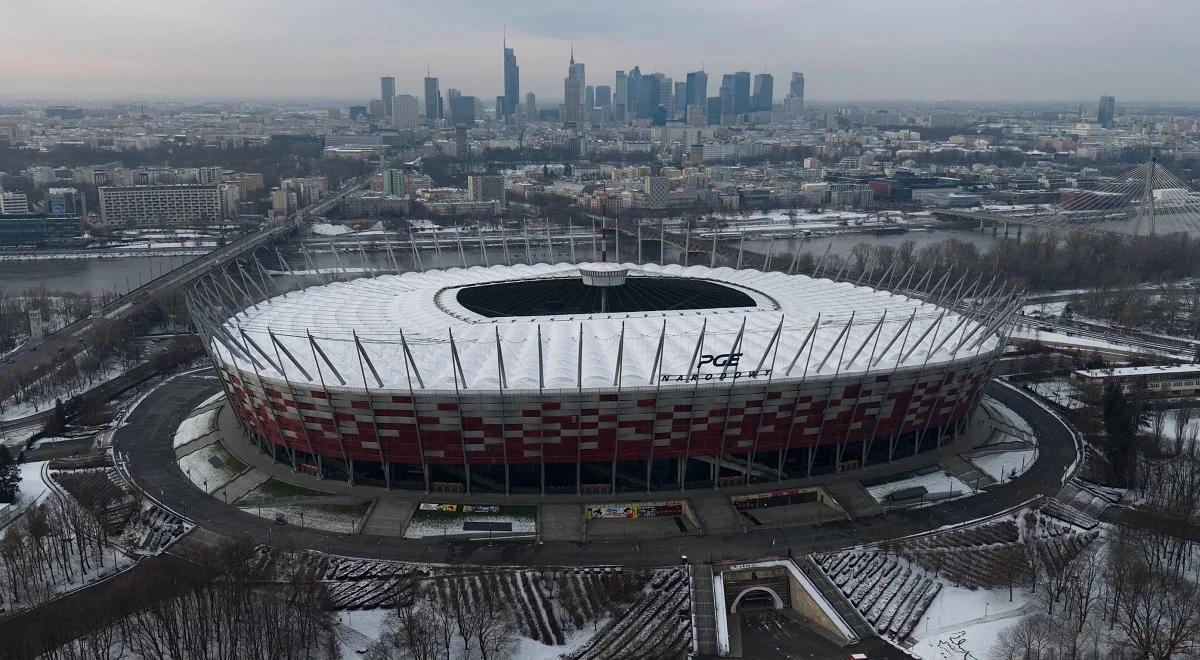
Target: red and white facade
[385,380]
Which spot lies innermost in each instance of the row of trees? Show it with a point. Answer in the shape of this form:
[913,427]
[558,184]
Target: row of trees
[56,309]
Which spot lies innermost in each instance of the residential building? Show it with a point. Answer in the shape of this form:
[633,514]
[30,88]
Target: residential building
[531,105]
[485,188]
[155,205]
[406,111]
[655,189]
[12,203]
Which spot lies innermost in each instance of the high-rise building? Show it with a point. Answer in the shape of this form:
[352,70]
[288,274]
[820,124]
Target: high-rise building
[713,114]
[579,70]
[633,91]
[741,92]
[620,96]
[679,100]
[603,96]
[512,83]
[462,108]
[764,92]
[589,97]
[485,188]
[12,203]
[395,182]
[655,189]
[433,101]
[794,103]
[697,88]
[531,105]
[387,92]
[378,111]
[572,93]
[406,111]
[66,201]
[1106,114]
[155,205]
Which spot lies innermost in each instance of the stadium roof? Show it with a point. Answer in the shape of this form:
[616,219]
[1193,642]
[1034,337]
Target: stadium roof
[783,326]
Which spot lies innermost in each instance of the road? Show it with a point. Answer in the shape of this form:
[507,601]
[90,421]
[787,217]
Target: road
[146,440]
[37,356]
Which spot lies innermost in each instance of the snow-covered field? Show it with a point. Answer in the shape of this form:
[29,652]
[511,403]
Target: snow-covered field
[964,623]
[937,482]
[195,427]
[211,467]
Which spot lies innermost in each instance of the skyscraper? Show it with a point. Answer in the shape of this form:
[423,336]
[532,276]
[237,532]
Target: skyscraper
[620,97]
[572,93]
[603,96]
[741,92]
[531,105]
[794,103]
[1106,114]
[433,101]
[633,87]
[697,89]
[679,100]
[578,70]
[589,97]
[512,83]
[387,91]
[764,92]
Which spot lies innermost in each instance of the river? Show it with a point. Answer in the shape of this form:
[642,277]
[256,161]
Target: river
[96,276]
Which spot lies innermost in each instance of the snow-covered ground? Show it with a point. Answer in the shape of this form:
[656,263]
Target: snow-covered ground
[1063,339]
[328,517]
[421,526]
[936,482]
[211,400]
[195,427]
[1011,449]
[211,467]
[961,623]
[32,489]
[370,623]
[1061,391]
[13,410]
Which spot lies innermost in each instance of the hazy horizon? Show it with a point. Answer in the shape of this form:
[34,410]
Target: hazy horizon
[1012,52]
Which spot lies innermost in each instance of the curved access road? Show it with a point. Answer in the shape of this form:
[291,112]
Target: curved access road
[145,439]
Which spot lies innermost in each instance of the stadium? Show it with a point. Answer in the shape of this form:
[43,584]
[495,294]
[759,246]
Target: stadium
[596,378]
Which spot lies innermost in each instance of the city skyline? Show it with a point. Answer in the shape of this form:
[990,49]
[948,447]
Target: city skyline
[315,56]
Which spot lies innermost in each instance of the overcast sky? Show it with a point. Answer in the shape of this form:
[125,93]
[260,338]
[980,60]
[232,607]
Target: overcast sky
[1072,50]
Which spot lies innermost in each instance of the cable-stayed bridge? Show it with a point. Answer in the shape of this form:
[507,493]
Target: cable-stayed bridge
[1147,200]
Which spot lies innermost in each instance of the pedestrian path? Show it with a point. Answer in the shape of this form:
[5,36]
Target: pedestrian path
[389,516]
[716,513]
[855,499]
[703,615]
[562,522]
[966,472]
